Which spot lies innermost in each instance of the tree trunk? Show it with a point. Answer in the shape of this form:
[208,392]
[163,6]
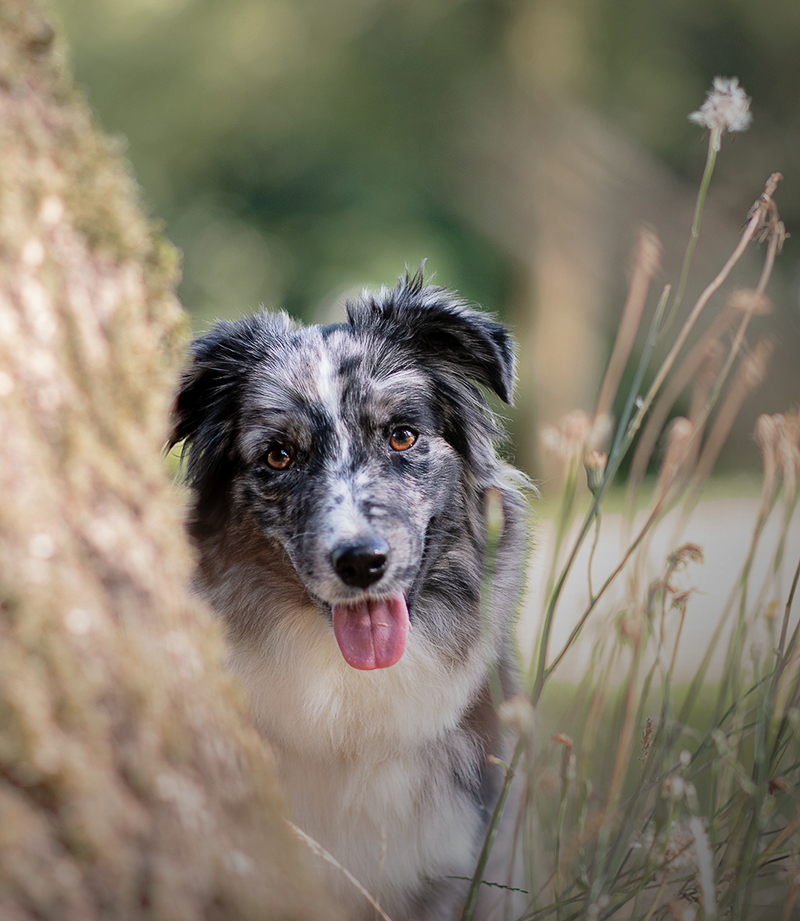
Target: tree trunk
[131,783]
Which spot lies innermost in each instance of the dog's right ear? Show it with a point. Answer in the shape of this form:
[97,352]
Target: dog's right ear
[207,396]
[207,408]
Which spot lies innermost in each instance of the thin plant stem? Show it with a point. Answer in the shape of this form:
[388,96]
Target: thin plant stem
[679,381]
[625,746]
[562,809]
[736,346]
[745,381]
[612,465]
[785,624]
[657,899]
[320,851]
[756,220]
[563,520]
[541,670]
[495,522]
[598,520]
[788,907]
[620,445]
[656,512]
[711,159]
[494,825]
[601,591]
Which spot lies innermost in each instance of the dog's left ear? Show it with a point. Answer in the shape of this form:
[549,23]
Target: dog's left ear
[434,323]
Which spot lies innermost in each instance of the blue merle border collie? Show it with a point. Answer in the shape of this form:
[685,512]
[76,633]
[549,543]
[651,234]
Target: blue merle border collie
[339,477]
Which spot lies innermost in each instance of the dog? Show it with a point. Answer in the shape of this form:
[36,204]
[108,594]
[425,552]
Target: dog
[339,478]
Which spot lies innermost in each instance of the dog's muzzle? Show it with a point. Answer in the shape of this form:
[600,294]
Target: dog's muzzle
[371,632]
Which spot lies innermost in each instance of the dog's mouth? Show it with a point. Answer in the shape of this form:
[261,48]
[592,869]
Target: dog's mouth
[372,633]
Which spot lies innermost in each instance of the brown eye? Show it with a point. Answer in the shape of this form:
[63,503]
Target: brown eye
[402,439]
[280,456]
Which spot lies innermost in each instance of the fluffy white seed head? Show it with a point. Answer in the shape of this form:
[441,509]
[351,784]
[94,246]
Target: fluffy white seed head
[727,106]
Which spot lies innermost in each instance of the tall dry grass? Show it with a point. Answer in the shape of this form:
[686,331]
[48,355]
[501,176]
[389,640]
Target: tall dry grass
[653,798]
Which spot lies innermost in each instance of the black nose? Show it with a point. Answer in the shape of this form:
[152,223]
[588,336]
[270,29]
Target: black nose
[362,563]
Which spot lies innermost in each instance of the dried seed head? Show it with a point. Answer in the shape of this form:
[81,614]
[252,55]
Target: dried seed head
[746,300]
[768,433]
[649,251]
[726,107]
[570,437]
[704,865]
[679,851]
[753,368]
[630,627]
[674,787]
[685,554]
[678,435]
[679,601]
[518,713]
[595,464]
[647,735]
[655,591]
[708,367]
[789,455]
[778,785]
[568,761]
[792,423]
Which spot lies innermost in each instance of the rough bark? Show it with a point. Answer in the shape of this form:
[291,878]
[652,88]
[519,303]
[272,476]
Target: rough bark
[131,784]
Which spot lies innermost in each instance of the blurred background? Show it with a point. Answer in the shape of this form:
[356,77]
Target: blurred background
[298,150]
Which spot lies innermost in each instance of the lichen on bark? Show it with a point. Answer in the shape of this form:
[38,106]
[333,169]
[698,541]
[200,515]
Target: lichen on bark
[131,782]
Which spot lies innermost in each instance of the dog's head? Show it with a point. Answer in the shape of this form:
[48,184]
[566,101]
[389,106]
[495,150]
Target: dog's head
[361,449]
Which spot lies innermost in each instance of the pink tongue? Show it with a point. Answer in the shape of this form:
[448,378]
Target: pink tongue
[372,634]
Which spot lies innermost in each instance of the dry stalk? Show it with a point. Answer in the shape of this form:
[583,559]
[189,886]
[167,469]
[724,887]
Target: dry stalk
[679,437]
[767,225]
[752,370]
[691,367]
[762,215]
[749,376]
[320,851]
[647,263]
[707,375]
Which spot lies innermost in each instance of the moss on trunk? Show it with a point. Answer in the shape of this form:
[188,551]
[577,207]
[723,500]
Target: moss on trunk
[131,783]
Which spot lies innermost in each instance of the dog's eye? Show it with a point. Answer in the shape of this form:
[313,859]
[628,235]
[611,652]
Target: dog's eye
[280,456]
[402,439]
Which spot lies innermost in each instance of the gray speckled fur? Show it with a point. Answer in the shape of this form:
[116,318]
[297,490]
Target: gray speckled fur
[387,769]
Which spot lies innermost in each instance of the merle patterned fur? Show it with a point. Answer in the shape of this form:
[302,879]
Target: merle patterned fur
[308,495]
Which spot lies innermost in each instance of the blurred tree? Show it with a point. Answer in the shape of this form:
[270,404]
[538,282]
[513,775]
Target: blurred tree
[643,68]
[646,66]
[296,148]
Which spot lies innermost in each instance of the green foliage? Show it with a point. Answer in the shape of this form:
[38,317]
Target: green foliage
[296,148]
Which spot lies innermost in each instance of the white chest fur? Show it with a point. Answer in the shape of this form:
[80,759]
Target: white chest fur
[366,758]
